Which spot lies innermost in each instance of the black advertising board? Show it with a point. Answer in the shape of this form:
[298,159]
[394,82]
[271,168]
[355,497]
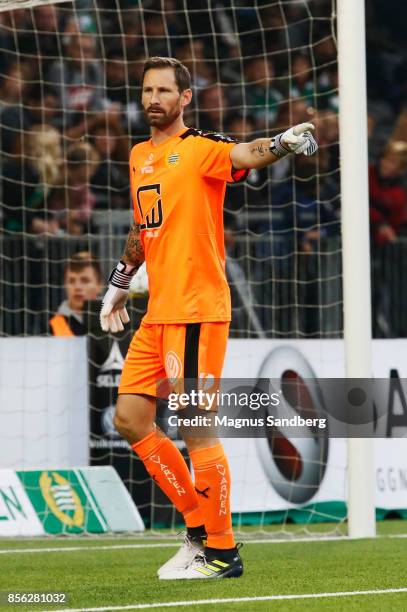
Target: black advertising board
[106,354]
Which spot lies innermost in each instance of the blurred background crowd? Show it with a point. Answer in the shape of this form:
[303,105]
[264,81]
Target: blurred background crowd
[70,112]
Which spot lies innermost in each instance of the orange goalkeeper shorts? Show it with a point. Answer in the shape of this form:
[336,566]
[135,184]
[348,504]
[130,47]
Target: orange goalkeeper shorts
[171,351]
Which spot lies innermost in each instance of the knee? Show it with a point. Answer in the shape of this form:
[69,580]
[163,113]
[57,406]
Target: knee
[132,421]
[194,444]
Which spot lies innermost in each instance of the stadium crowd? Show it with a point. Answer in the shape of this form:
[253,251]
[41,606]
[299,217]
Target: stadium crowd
[70,112]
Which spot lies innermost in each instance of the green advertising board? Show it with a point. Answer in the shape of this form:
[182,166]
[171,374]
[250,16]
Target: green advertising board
[66,501]
[63,501]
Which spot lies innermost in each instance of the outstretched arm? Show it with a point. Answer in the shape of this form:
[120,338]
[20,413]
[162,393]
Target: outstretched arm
[114,313]
[264,151]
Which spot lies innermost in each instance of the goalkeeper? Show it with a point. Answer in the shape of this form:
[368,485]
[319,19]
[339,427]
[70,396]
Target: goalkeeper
[178,182]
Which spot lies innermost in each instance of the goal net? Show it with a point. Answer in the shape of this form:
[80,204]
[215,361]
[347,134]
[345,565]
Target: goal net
[69,113]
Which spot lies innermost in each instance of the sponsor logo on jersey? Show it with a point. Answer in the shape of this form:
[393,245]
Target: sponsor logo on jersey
[173,366]
[172,160]
[148,167]
[152,234]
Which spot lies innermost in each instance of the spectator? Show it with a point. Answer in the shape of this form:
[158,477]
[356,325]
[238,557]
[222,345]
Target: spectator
[110,182]
[41,106]
[321,92]
[307,216]
[325,47]
[400,128]
[132,37]
[302,85]
[291,112]
[39,38]
[388,201]
[45,155]
[27,179]
[328,84]
[262,98]
[12,85]
[327,126]
[117,85]
[12,24]
[213,106]
[121,90]
[74,201]
[77,81]
[387,215]
[191,54]
[45,150]
[307,219]
[252,196]
[121,30]
[156,34]
[83,281]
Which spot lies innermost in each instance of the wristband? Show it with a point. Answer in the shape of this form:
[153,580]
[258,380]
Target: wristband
[121,275]
[277,148]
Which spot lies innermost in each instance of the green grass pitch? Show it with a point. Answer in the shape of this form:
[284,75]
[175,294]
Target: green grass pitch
[109,576]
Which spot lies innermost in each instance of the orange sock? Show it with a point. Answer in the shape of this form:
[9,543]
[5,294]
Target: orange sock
[166,465]
[212,483]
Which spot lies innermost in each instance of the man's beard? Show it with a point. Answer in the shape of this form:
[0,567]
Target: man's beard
[163,120]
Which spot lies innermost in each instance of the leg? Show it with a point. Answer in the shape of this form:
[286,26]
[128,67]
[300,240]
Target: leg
[220,557]
[212,484]
[203,354]
[134,417]
[134,420]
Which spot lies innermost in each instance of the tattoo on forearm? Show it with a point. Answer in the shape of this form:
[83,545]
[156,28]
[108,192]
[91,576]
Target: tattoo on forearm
[133,251]
[259,150]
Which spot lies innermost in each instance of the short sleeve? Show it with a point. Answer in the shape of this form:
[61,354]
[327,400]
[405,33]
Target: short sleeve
[213,158]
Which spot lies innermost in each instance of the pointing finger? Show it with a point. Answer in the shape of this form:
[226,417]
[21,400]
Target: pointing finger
[299,129]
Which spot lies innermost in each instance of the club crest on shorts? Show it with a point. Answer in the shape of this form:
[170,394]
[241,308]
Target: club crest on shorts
[206,381]
[172,160]
[173,366]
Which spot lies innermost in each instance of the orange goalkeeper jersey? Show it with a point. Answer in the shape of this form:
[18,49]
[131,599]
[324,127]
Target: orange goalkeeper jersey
[178,189]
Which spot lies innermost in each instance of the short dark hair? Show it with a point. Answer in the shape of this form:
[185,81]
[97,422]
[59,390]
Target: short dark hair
[84,259]
[181,72]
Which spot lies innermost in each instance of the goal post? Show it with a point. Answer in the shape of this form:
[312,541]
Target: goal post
[355,248]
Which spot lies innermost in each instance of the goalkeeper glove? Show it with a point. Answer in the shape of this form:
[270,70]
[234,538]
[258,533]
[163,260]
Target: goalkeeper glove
[297,139]
[114,313]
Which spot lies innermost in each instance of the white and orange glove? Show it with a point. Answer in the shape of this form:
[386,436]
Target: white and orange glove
[114,313]
[298,139]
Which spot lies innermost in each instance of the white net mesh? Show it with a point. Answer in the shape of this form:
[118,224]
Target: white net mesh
[70,110]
